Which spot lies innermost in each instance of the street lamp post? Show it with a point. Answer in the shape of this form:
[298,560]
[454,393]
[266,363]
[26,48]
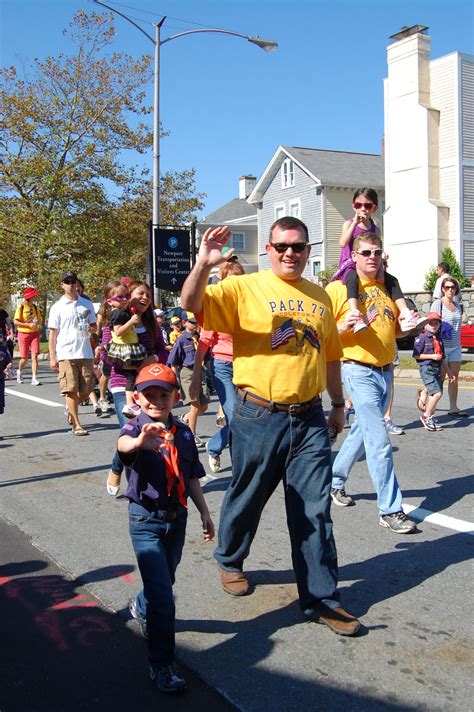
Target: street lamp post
[266,45]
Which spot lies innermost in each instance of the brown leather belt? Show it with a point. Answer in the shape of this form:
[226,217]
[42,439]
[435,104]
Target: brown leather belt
[272,406]
[387,367]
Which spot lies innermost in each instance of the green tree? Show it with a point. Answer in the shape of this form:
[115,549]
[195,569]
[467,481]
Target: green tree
[454,270]
[65,125]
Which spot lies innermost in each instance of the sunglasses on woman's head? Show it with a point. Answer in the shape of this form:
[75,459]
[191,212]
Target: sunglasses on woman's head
[449,286]
[367,206]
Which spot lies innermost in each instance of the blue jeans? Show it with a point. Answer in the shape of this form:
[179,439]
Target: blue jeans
[369,390]
[119,402]
[158,547]
[266,448]
[222,373]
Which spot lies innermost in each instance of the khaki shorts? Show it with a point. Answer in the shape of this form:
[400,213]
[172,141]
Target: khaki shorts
[185,377]
[76,375]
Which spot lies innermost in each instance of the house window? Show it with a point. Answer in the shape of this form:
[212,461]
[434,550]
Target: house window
[279,211]
[238,241]
[315,267]
[287,173]
[295,209]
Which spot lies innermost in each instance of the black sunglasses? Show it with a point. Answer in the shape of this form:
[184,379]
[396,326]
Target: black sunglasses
[69,281]
[282,247]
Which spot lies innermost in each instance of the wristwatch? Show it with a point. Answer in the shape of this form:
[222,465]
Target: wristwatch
[338,405]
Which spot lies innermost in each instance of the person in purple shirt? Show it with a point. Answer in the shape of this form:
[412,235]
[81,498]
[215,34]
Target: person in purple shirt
[150,336]
[163,469]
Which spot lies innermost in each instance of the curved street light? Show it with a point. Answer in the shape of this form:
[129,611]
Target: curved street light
[266,45]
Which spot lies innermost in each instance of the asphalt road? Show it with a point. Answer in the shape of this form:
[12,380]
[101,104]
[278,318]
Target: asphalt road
[412,593]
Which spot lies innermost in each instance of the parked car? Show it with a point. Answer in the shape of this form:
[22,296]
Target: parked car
[467,335]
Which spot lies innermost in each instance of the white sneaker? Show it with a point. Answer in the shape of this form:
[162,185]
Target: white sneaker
[214,461]
[35,382]
[104,405]
[19,378]
[131,411]
[411,321]
[393,429]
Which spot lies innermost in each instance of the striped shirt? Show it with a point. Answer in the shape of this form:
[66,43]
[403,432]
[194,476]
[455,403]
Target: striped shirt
[454,318]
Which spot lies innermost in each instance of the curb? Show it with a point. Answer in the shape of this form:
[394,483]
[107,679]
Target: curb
[414,373]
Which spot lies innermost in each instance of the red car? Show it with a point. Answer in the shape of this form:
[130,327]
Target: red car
[467,335]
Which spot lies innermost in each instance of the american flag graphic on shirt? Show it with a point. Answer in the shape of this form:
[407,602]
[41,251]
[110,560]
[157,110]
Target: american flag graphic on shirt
[372,313]
[283,334]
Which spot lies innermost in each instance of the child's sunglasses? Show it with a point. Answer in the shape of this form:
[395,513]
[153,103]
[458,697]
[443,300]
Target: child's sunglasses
[367,206]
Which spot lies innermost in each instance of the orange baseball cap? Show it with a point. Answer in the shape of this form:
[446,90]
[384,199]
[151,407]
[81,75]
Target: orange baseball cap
[156,374]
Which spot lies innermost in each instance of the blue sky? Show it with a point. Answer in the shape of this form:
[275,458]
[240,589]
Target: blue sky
[228,104]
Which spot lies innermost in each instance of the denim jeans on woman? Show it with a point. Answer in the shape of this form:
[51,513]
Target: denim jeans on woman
[221,374]
[119,402]
[266,448]
[370,390]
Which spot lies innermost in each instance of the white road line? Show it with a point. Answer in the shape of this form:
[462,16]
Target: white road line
[53,404]
[424,515]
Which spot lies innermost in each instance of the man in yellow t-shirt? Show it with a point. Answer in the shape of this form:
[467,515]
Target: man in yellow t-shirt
[286,352]
[367,375]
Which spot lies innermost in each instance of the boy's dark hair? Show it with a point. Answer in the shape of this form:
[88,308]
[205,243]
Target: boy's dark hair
[289,223]
[444,266]
[369,193]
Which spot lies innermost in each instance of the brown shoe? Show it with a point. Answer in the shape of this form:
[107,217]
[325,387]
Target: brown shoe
[338,620]
[234,582]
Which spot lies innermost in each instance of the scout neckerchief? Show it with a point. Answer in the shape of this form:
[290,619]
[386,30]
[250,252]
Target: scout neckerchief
[174,476]
[437,345]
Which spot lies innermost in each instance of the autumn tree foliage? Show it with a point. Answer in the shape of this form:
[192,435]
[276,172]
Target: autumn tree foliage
[67,197]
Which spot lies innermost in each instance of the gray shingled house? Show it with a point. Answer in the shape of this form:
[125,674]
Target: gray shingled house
[316,186]
[241,216]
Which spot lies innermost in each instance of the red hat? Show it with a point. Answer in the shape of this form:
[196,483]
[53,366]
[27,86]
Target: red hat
[156,374]
[433,315]
[30,293]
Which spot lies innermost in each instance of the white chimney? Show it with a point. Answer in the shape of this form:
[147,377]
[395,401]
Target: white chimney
[246,185]
[414,219]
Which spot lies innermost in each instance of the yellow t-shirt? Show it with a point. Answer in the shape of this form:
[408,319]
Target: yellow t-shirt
[283,332]
[24,312]
[175,335]
[376,344]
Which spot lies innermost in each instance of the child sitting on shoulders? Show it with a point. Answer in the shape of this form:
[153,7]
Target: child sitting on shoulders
[364,204]
[124,349]
[163,469]
[428,350]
